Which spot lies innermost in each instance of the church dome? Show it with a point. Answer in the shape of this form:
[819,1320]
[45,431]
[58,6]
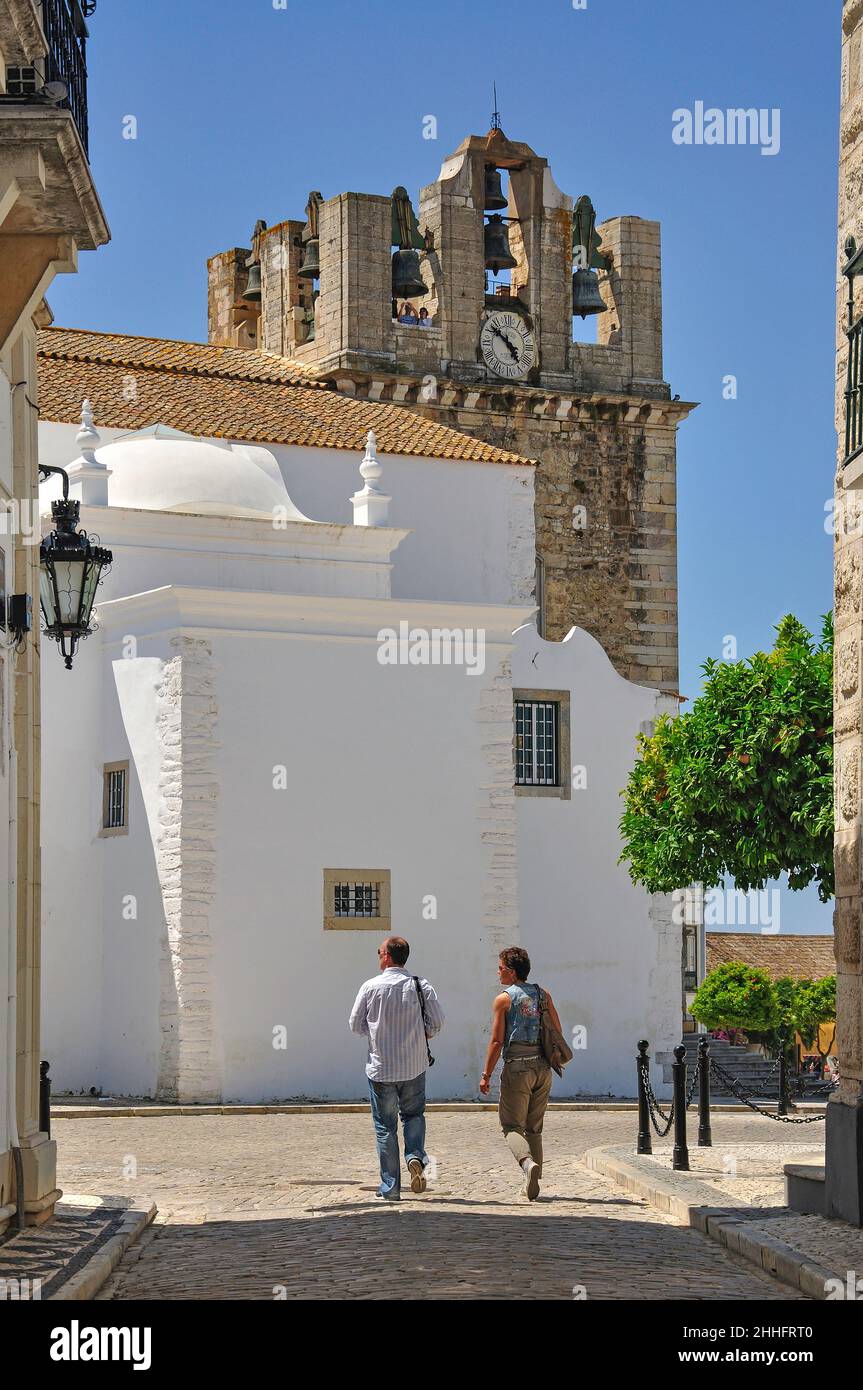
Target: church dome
[159,469]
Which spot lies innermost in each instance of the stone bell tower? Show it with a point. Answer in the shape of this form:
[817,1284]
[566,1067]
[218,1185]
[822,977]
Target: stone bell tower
[500,361]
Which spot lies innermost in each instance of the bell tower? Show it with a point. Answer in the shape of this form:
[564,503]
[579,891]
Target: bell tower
[502,260]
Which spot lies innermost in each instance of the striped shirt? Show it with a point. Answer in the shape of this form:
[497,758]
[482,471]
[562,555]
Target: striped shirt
[387,1010]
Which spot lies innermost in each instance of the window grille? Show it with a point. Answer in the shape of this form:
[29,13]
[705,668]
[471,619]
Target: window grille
[115,798]
[21,81]
[536,742]
[357,900]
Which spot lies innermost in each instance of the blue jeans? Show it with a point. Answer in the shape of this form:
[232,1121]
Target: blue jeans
[389,1100]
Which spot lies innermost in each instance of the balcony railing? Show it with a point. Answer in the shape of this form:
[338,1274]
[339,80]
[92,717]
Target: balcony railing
[66,60]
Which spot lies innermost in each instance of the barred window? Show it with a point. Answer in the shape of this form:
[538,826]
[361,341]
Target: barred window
[536,743]
[21,80]
[357,899]
[542,743]
[115,799]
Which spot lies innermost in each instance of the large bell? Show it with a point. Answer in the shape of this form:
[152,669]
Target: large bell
[407,281]
[586,298]
[497,252]
[253,288]
[311,266]
[493,198]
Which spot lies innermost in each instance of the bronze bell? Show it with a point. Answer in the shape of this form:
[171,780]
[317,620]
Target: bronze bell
[493,198]
[407,281]
[586,298]
[497,252]
[311,266]
[253,288]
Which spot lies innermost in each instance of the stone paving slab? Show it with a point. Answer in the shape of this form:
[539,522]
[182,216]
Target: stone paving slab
[743,1209]
[72,1256]
[282,1207]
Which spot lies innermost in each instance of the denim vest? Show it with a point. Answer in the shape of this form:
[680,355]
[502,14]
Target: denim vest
[522,1017]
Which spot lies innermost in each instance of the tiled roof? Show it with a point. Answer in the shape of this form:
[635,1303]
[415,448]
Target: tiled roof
[228,393]
[169,355]
[801,957]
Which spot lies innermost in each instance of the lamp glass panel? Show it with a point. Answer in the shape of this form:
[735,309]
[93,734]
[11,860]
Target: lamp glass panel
[46,594]
[70,576]
[90,582]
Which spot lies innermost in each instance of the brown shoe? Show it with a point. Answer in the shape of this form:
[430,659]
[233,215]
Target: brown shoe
[418,1181]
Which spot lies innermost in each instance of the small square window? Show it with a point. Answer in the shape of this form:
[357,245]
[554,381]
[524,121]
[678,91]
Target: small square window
[21,80]
[357,900]
[115,799]
[541,719]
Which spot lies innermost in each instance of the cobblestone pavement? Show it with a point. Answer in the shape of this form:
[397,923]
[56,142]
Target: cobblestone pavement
[751,1172]
[263,1206]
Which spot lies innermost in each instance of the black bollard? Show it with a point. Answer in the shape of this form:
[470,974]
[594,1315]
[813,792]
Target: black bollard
[680,1157]
[783,1071]
[642,1063]
[44,1099]
[705,1140]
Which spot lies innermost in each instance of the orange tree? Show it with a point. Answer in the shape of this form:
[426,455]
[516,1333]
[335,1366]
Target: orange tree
[735,995]
[742,784]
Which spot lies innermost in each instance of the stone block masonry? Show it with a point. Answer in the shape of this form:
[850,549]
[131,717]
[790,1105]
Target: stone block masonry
[598,417]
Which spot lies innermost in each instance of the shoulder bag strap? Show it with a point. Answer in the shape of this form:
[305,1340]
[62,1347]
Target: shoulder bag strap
[421,998]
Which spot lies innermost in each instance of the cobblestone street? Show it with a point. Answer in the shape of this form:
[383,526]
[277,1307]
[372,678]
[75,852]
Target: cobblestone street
[266,1206]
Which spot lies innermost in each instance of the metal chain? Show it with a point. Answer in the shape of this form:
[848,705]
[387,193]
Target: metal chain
[695,1074]
[736,1090]
[653,1105]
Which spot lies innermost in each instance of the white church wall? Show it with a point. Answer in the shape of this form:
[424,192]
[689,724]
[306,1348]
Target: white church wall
[101,898]
[387,768]
[473,523]
[72,867]
[608,951]
[401,767]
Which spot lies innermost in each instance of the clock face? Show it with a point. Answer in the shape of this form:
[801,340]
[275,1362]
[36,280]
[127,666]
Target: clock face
[507,344]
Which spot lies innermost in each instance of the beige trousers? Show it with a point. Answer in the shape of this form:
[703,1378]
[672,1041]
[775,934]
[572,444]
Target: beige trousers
[524,1092]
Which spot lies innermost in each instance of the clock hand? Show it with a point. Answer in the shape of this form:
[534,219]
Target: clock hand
[512,351]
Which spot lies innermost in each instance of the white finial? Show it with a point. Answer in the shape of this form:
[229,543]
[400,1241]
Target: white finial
[370,468]
[87,437]
[371,503]
[88,477]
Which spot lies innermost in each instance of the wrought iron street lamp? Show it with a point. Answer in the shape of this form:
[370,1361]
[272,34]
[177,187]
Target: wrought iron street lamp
[71,566]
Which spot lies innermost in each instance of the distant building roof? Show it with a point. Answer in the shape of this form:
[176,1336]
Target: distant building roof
[801,957]
[228,393]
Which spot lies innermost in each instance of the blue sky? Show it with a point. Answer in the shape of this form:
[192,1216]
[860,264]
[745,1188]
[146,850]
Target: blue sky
[242,108]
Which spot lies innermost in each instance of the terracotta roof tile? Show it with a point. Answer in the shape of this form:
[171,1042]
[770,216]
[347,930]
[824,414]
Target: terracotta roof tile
[228,393]
[801,957]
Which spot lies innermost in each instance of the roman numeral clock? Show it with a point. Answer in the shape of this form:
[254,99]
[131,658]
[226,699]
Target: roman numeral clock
[507,345]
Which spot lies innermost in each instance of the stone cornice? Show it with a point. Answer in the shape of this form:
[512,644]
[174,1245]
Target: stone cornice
[54,132]
[177,607]
[409,390]
[308,540]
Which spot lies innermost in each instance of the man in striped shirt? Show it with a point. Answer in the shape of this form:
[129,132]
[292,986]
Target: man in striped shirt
[398,1023]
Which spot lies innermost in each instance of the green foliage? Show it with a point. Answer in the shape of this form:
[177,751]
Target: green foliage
[742,784]
[735,995]
[814,1004]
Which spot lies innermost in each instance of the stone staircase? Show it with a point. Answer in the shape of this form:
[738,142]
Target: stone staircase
[750,1069]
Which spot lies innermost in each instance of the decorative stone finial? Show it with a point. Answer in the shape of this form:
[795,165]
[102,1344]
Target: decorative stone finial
[370,467]
[88,478]
[371,503]
[87,437]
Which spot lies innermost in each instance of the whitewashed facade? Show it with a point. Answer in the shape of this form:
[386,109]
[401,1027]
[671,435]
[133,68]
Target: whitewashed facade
[236,671]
